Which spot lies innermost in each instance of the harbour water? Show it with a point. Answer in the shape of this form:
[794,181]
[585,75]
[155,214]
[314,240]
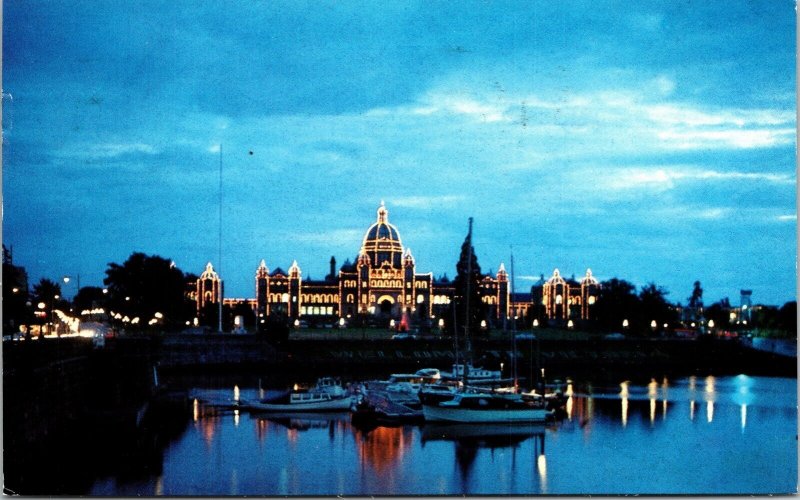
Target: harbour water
[697,435]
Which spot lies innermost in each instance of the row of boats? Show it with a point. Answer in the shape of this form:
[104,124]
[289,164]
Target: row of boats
[464,395]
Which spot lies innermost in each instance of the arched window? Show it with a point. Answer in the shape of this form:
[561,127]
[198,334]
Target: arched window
[285,298]
[559,299]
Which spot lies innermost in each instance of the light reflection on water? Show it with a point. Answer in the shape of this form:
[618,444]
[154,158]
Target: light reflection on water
[607,436]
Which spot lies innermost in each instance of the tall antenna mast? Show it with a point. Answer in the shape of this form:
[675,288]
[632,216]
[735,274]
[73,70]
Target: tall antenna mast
[514,323]
[219,262]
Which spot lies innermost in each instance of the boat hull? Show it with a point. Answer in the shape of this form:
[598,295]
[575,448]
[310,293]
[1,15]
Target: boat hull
[340,404]
[436,413]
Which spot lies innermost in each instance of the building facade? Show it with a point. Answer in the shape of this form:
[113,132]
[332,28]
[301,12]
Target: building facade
[383,284]
[566,299]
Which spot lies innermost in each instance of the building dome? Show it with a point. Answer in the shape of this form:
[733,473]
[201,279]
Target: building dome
[382,241]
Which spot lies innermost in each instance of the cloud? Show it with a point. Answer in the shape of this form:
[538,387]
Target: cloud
[112,150]
[666,177]
[787,218]
[743,139]
[426,201]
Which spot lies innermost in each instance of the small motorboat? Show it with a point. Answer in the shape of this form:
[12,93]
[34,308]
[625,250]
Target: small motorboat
[326,396]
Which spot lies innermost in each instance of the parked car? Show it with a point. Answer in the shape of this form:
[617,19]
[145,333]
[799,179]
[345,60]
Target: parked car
[614,336]
[525,336]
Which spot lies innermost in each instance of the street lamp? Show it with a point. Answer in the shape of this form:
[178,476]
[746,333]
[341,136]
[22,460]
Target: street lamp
[42,314]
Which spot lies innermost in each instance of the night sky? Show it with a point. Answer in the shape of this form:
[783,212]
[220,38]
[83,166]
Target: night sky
[650,141]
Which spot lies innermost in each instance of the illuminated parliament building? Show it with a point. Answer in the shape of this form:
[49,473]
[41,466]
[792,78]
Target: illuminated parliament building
[383,284]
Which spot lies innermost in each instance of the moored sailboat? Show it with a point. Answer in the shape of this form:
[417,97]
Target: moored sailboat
[475,406]
[470,407]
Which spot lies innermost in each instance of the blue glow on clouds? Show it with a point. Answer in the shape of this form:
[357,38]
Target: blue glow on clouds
[652,141]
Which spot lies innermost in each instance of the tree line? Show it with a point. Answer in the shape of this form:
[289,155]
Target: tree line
[154,290]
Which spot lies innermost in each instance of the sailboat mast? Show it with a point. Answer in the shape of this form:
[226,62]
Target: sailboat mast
[467,346]
[455,338]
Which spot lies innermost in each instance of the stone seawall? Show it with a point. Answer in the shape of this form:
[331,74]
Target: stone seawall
[357,358]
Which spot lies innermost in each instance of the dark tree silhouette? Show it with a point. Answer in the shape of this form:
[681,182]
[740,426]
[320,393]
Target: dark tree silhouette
[15,295]
[787,318]
[89,297]
[696,300]
[144,285]
[655,307]
[616,302]
[46,291]
[719,312]
[467,290]
[694,309]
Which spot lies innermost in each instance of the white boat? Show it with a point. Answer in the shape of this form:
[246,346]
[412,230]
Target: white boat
[468,407]
[473,374]
[404,387]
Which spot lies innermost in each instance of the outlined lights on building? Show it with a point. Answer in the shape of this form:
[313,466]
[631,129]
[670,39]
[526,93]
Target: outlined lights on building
[568,299]
[383,282]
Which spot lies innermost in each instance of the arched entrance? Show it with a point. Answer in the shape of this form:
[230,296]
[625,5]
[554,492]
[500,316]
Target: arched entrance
[385,305]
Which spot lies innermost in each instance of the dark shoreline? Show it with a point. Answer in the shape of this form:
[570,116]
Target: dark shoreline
[634,359]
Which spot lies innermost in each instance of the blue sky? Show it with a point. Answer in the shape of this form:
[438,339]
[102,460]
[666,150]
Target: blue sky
[651,141]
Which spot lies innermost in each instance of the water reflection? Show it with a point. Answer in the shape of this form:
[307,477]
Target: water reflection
[623,394]
[322,454]
[652,394]
[744,417]
[710,396]
[468,439]
[743,396]
[383,447]
[541,468]
[261,427]
[570,400]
